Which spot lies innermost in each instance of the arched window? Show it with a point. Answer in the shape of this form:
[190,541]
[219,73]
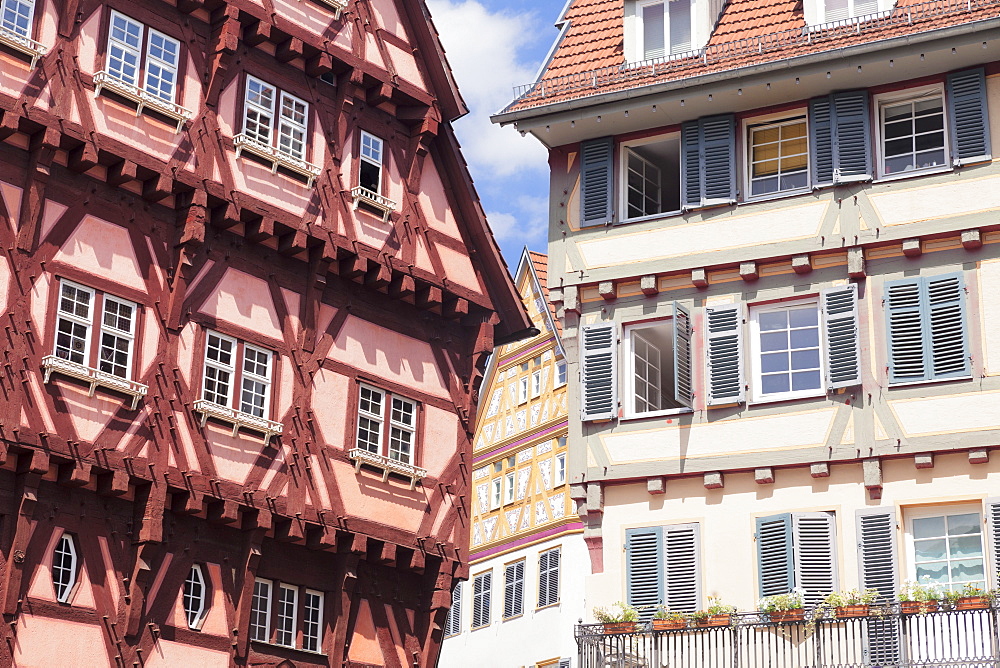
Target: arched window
[194,597]
[64,567]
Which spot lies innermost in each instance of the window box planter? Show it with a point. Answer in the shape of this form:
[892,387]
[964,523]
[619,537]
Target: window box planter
[858,610]
[53,363]
[787,616]
[669,624]
[620,627]
[141,98]
[713,620]
[277,158]
[237,418]
[914,607]
[972,603]
[388,465]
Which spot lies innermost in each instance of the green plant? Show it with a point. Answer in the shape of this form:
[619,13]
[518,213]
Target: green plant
[717,607]
[781,602]
[970,590]
[665,613]
[920,593]
[618,613]
[839,599]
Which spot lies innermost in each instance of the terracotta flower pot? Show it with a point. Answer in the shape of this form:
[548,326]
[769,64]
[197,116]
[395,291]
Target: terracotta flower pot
[857,610]
[719,620]
[783,616]
[972,603]
[669,624]
[912,607]
[620,627]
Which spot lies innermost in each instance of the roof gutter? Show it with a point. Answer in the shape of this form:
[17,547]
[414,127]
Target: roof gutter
[506,118]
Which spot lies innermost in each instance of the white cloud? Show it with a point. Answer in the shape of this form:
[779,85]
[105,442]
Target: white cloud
[525,226]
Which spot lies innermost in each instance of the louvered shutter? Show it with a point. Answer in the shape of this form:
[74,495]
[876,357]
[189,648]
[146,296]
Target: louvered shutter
[481,590]
[877,561]
[815,556]
[821,140]
[905,331]
[691,164]
[644,569]
[454,623]
[993,525]
[774,554]
[945,308]
[598,375]
[851,136]
[681,564]
[840,325]
[967,108]
[682,355]
[724,354]
[513,595]
[548,578]
[596,188]
[718,136]
[680,25]
[864,7]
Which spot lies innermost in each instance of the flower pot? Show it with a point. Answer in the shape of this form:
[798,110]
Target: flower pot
[620,627]
[912,607]
[718,620]
[669,624]
[782,616]
[857,610]
[972,603]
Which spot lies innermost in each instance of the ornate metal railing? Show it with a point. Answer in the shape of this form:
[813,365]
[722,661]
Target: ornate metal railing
[885,638]
[903,20]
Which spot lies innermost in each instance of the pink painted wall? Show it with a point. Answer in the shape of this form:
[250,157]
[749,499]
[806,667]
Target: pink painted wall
[42,642]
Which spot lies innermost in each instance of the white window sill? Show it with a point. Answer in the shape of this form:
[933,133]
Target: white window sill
[131,92]
[277,158]
[912,173]
[25,45]
[781,194]
[53,363]
[388,465]
[655,414]
[373,199]
[908,383]
[291,647]
[652,216]
[237,418]
[788,396]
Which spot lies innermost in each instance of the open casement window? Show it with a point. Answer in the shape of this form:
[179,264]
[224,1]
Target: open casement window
[662,567]
[453,624]
[651,181]
[598,373]
[878,569]
[275,118]
[231,363]
[797,550]
[840,138]
[370,169]
[378,407]
[708,161]
[17,17]
[142,58]
[659,365]
[513,590]
[968,115]
[195,597]
[777,156]
[482,585]
[548,577]
[65,564]
[596,188]
[926,328]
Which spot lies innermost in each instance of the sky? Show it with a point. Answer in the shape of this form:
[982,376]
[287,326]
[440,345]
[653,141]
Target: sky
[492,46]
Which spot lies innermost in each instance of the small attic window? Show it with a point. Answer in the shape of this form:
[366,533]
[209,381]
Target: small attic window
[656,29]
[820,12]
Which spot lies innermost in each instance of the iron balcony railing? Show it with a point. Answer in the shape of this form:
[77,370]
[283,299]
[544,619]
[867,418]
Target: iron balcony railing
[902,20]
[885,638]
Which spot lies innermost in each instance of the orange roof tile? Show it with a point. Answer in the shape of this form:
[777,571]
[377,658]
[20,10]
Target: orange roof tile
[540,263]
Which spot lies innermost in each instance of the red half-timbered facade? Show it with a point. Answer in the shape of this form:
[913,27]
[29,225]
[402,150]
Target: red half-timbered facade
[247,295]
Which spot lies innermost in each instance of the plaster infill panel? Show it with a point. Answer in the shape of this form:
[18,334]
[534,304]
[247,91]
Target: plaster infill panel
[314,17]
[244,300]
[989,305]
[104,249]
[950,414]
[777,225]
[43,642]
[947,200]
[771,433]
[438,444]
[167,654]
[330,392]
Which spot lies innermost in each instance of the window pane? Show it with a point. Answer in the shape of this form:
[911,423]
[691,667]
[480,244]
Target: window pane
[929,549]
[773,320]
[964,524]
[805,359]
[772,362]
[773,384]
[963,547]
[17,16]
[967,570]
[370,177]
[803,317]
[774,341]
[71,341]
[114,355]
[217,386]
[928,527]
[803,338]
[933,573]
[805,380]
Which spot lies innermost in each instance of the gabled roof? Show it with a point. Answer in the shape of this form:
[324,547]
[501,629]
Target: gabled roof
[540,265]
[589,60]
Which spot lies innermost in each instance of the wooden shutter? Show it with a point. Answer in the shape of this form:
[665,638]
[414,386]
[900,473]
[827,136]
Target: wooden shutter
[840,325]
[724,354]
[690,164]
[681,567]
[945,324]
[513,594]
[815,554]
[967,109]
[718,148]
[682,355]
[877,561]
[644,568]
[821,140]
[548,578]
[481,590]
[993,525]
[598,376]
[454,623]
[905,331]
[596,188]
[851,136]
[774,554]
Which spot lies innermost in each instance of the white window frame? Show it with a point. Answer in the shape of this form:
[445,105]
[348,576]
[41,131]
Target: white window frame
[559,475]
[668,51]
[920,512]
[261,110]
[373,156]
[287,624]
[126,48]
[143,56]
[628,404]
[388,419]
[312,621]
[64,588]
[756,394]
[255,600]
[14,6]
[495,493]
[522,390]
[165,66]
[409,430]
[773,120]
[220,366]
[910,95]
[288,125]
[278,122]
[127,335]
[561,374]
[195,606]
[509,483]
[557,570]
[87,322]
[621,188]
[96,328]
[486,593]
[254,377]
[377,419]
[536,384]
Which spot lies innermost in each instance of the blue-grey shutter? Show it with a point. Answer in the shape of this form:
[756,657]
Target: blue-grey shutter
[815,554]
[993,524]
[598,371]
[718,148]
[776,574]
[851,136]
[691,164]
[821,141]
[682,355]
[454,623]
[548,577]
[905,331]
[945,306]
[967,109]
[481,593]
[644,569]
[840,324]
[596,188]
[513,595]
[724,354]
[877,565]
[681,561]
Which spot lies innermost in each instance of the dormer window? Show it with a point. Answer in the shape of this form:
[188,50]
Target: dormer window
[838,10]
[656,29]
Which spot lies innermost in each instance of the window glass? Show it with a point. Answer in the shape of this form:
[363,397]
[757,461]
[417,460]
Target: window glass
[370,419]
[312,621]
[194,596]
[260,611]
[401,432]
[652,178]
[292,126]
[219,352]
[653,35]
[948,550]
[778,157]
[370,169]
[287,604]
[913,135]
[124,49]
[73,327]
[64,567]
[256,381]
[789,350]
[259,110]
[161,65]
[15,16]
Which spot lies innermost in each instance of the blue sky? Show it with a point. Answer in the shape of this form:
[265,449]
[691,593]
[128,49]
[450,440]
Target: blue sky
[491,47]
